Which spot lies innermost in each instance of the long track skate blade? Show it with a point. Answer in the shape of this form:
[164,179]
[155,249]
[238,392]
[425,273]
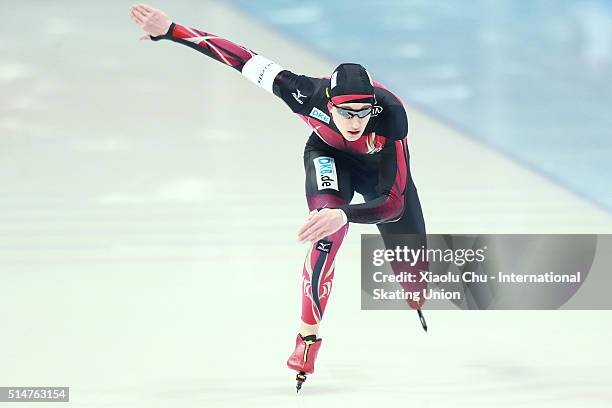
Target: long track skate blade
[300,378]
[422,319]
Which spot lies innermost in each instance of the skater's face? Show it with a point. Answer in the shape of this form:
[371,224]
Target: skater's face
[351,128]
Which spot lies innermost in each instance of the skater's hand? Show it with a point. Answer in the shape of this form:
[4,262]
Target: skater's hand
[321,224]
[154,22]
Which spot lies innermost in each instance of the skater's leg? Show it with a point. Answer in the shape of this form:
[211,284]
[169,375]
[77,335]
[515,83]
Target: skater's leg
[318,270]
[317,276]
[411,222]
[327,185]
[308,329]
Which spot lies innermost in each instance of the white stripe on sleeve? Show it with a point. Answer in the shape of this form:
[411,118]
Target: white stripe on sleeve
[261,71]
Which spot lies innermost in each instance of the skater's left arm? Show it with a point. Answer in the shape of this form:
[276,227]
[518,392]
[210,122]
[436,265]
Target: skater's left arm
[393,173]
[389,205]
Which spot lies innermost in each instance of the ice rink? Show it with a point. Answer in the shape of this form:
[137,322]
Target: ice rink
[149,205]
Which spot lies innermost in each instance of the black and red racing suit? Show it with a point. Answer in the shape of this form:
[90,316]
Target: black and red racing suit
[376,165]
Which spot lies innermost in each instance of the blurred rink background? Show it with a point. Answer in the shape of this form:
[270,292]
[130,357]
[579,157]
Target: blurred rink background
[150,199]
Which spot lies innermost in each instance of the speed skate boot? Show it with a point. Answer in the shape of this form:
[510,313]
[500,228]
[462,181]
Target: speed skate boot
[303,358]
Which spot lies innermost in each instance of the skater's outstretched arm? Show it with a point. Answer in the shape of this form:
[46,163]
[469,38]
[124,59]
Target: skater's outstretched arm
[258,69]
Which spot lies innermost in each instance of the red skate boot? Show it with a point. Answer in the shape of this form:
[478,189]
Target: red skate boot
[304,356]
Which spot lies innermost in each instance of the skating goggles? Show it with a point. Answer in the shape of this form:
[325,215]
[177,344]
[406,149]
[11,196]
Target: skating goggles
[350,113]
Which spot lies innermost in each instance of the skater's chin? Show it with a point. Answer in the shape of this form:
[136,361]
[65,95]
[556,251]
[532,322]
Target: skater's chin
[352,135]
